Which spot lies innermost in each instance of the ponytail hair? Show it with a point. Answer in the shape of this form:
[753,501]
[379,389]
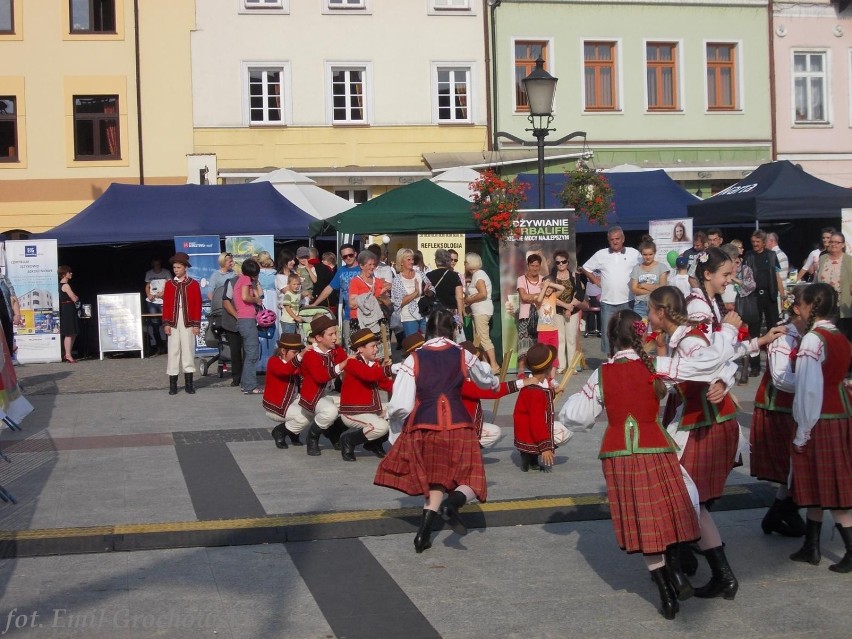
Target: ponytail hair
[823,297]
[713,259]
[671,300]
[623,334]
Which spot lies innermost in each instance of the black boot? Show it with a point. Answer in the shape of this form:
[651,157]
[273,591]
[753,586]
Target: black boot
[723,582]
[688,560]
[680,583]
[743,380]
[294,438]
[173,384]
[377,447]
[845,564]
[334,432]
[790,516]
[773,521]
[313,440]
[529,460]
[668,601]
[450,511]
[754,363]
[187,383]
[278,436]
[349,440]
[809,552]
[422,540]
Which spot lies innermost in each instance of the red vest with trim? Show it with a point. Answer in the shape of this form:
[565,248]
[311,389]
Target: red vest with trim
[768,397]
[533,418]
[282,385]
[439,373]
[317,372]
[838,353]
[632,409]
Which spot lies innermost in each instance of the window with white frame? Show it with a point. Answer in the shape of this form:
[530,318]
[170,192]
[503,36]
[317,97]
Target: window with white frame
[263,4]
[348,95]
[452,85]
[810,86]
[266,95]
[346,4]
[451,4]
[356,196]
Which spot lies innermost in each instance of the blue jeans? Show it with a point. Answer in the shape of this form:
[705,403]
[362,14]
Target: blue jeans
[607,311]
[640,307]
[412,326]
[251,348]
[289,327]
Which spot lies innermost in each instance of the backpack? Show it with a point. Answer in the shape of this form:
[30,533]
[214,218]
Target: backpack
[219,319]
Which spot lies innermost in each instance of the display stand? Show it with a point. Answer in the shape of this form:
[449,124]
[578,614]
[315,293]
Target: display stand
[120,323]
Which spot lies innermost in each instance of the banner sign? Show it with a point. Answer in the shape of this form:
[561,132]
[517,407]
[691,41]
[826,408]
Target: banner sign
[31,266]
[846,227]
[120,323]
[203,251]
[670,235]
[543,231]
[428,243]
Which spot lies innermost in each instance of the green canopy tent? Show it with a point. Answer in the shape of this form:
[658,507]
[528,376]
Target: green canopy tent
[420,207]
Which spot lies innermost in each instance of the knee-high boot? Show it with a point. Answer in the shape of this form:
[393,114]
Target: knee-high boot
[187,384]
[680,583]
[278,436]
[743,380]
[723,582]
[687,558]
[773,521]
[313,440]
[349,440]
[790,516]
[845,564]
[376,446]
[810,552]
[450,511]
[334,432]
[423,538]
[668,601]
[173,384]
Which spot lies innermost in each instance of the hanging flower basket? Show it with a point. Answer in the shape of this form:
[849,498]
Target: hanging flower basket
[495,205]
[589,193]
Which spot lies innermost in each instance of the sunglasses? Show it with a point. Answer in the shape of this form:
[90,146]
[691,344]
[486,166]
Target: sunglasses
[347,256]
[228,255]
[561,261]
[453,261]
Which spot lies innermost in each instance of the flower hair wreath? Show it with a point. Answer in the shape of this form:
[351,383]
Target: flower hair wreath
[703,257]
[639,327]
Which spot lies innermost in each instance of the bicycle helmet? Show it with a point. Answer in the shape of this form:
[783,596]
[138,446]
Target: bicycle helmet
[265,318]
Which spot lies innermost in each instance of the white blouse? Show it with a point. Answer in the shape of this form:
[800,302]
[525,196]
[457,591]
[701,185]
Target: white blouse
[807,402]
[699,310]
[778,358]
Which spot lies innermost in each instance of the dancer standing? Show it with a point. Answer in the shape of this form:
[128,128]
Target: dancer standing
[182,321]
[438,451]
[822,457]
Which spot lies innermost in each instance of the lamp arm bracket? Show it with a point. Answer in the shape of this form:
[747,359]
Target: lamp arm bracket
[570,136]
[515,139]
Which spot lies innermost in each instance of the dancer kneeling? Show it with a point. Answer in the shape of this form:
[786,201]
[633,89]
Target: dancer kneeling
[651,508]
[437,451]
[361,408]
[282,386]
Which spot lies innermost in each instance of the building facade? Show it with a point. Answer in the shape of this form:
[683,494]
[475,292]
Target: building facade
[812,55]
[75,77]
[350,92]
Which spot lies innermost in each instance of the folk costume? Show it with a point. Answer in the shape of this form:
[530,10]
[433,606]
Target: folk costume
[822,471]
[282,389]
[472,396]
[773,429]
[438,447]
[181,312]
[361,408]
[317,408]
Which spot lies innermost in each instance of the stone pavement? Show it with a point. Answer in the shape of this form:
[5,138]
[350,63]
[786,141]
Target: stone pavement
[109,461]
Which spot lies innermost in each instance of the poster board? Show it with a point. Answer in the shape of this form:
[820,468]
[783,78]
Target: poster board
[203,252]
[671,235]
[428,243]
[120,323]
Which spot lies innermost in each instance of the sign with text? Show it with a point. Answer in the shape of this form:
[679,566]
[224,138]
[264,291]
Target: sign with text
[428,243]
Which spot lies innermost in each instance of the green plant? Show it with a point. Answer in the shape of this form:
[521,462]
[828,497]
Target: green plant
[589,193]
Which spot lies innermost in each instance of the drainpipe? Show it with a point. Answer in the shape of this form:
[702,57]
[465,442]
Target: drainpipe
[489,126]
[773,119]
[492,5]
[138,92]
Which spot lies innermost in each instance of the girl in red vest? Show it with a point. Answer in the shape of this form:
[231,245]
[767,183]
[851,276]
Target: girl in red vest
[773,427]
[650,505]
[822,448]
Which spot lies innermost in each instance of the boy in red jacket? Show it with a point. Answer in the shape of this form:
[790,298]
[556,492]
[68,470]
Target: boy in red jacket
[361,408]
[321,364]
[472,396]
[282,386]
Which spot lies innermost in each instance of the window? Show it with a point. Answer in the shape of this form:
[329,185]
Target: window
[599,76]
[526,53]
[265,95]
[453,86]
[96,127]
[262,4]
[347,95]
[7,17]
[92,16]
[8,129]
[810,86]
[356,196]
[721,77]
[451,4]
[661,72]
[345,4]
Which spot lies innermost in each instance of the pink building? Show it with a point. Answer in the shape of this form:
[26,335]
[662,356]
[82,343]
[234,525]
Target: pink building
[812,58]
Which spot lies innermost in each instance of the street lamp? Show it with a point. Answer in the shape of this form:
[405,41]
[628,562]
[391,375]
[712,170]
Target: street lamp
[540,88]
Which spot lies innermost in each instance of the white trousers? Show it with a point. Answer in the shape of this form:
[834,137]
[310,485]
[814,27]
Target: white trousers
[181,349]
[298,419]
[567,329]
[373,425]
[561,435]
[491,434]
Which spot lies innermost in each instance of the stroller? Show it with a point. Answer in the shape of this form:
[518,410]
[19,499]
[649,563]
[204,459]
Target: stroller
[214,337]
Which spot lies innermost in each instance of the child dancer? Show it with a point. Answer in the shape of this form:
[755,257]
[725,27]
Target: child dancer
[537,433]
[282,386]
[773,427]
[321,364]
[651,508]
[822,448]
[361,408]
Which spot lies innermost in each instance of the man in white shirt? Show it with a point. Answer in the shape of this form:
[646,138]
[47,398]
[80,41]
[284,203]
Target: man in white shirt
[783,262]
[615,265]
[810,265]
[155,284]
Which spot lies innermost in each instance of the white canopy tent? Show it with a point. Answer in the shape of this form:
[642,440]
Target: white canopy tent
[304,193]
[457,180]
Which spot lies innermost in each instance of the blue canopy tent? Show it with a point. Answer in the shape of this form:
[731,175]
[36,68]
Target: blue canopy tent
[131,213]
[639,196]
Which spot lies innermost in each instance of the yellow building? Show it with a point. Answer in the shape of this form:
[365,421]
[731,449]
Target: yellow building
[75,76]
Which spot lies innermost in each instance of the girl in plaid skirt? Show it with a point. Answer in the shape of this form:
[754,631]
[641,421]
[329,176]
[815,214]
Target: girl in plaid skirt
[822,448]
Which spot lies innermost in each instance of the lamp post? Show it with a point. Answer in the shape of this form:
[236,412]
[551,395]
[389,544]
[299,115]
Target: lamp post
[540,88]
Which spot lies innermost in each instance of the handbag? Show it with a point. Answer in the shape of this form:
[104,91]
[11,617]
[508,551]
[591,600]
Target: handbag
[429,303]
[532,323]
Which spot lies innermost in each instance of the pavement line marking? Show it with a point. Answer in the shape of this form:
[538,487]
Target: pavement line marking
[277,521]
